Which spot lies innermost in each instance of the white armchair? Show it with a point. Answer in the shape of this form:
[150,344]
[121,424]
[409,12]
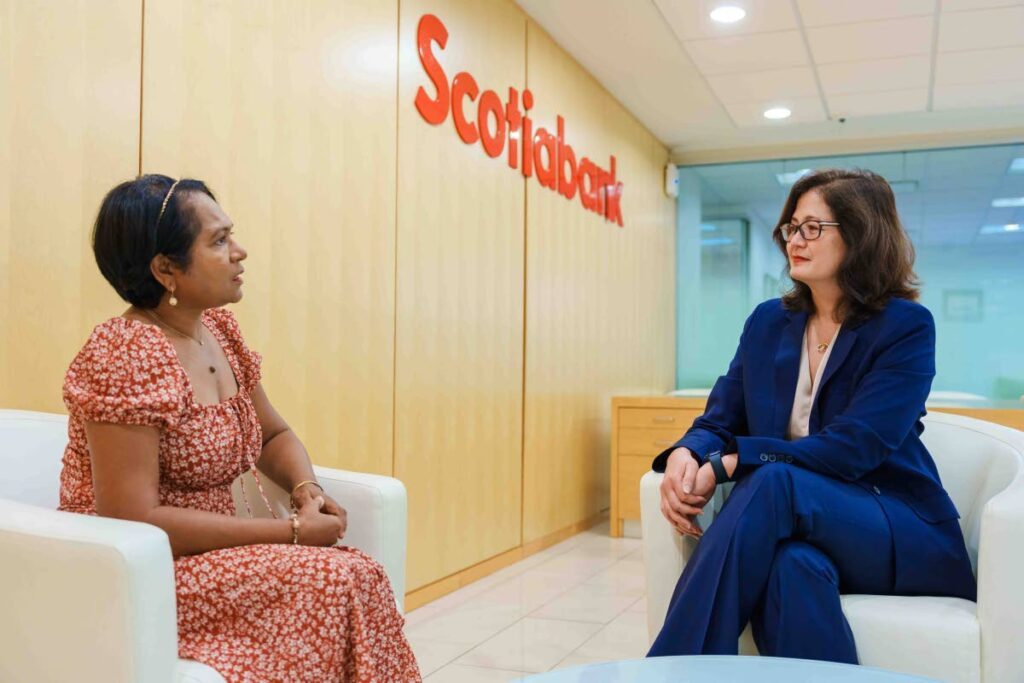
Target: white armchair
[948,639]
[92,599]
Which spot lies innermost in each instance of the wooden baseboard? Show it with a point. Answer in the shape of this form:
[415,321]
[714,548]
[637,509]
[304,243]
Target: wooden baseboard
[432,591]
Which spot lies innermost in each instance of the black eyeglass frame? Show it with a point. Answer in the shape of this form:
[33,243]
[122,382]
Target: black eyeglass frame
[787,230]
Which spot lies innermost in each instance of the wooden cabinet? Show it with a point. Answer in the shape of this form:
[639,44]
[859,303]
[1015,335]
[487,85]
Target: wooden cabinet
[642,427]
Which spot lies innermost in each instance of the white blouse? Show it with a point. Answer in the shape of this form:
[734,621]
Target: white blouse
[807,389]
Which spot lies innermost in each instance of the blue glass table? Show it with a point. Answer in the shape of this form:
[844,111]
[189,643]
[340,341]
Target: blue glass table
[713,669]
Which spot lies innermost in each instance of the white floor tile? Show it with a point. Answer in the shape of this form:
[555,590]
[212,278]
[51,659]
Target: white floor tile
[595,603]
[457,673]
[639,606]
[431,655]
[530,645]
[469,624]
[528,590]
[626,577]
[579,660]
[624,638]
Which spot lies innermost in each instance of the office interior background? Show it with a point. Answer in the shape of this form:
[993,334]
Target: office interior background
[427,312]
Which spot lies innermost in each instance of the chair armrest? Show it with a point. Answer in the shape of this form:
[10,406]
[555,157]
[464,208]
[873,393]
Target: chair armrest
[1000,588]
[665,550]
[84,598]
[377,509]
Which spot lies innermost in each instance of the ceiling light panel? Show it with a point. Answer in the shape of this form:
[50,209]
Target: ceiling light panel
[824,12]
[985,29]
[750,114]
[876,75]
[877,103]
[764,85]
[871,40]
[972,95]
[979,66]
[691,20]
[737,54]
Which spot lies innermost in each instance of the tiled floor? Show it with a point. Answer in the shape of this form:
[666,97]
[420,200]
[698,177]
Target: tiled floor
[578,602]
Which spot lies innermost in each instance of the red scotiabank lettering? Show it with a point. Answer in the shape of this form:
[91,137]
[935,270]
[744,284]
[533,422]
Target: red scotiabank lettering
[497,125]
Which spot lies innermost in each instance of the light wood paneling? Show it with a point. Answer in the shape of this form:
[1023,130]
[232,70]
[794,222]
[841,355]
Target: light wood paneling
[287,110]
[600,298]
[69,123]
[460,304]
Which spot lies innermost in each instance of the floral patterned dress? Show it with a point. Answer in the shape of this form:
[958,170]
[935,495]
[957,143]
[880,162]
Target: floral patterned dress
[253,613]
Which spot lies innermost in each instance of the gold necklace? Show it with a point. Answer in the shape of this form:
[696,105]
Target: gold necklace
[822,348]
[163,323]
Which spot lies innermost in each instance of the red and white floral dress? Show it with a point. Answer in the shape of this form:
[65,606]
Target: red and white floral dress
[253,613]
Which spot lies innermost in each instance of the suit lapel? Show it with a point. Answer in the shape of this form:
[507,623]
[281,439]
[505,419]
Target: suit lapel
[787,366]
[842,349]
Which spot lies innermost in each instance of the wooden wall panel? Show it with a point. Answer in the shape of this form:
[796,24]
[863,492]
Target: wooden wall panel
[460,304]
[69,124]
[599,298]
[287,110]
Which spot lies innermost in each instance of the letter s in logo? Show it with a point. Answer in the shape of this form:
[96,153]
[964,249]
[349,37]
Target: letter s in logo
[430,30]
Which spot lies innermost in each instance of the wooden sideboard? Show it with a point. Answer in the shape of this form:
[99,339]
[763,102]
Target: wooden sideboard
[643,426]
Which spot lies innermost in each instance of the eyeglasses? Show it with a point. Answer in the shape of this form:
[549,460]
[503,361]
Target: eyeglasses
[809,229]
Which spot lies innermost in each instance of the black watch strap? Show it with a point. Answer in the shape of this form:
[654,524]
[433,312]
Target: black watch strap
[721,476]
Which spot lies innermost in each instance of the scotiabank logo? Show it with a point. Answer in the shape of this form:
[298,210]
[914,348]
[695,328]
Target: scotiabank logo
[497,126]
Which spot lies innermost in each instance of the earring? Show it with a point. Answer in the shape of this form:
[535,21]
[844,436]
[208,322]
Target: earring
[173,301]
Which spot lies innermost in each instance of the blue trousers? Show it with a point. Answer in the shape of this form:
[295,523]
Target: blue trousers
[787,542]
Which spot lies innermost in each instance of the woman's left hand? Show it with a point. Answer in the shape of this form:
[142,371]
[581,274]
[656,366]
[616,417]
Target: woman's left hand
[330,507]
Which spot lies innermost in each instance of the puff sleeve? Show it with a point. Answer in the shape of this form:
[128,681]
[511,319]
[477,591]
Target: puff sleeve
[126,373]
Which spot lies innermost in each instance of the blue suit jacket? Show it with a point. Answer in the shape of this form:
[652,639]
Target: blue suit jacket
[865,425]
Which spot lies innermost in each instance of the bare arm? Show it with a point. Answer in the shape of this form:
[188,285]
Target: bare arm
[284,458]
[285,461]
[126,475]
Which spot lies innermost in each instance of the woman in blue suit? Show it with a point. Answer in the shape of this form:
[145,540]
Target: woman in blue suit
[818,421]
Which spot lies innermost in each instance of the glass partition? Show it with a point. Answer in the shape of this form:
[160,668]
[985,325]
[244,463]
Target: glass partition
[964,212]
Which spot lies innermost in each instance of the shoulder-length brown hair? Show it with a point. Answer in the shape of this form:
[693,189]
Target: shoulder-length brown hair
[879,262]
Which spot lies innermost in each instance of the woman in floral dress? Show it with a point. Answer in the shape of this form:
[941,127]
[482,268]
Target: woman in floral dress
[166,410]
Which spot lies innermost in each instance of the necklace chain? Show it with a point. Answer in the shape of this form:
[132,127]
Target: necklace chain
[160,321]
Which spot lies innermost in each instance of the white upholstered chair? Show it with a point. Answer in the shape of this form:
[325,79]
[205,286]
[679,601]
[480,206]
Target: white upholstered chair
[948,639]
[92,599]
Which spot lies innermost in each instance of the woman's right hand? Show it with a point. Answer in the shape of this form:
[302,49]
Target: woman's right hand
[678,502]
[317,528]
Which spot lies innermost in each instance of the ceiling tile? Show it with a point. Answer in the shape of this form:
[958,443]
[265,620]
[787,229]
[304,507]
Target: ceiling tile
[875,76]
[764,85]
[961,5]
[690,18]
[877,103]
[749,114]
[981,30]
[1004,94]
[979,66]
[826,12]
[871,40]
[760,52]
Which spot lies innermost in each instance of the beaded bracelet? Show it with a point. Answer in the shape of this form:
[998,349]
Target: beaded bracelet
[295,528]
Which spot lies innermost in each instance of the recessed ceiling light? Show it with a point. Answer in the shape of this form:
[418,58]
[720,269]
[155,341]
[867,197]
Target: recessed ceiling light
[999,229]
[1007,202]
[787,179]
[776,113]
[728,14]
[1016,166]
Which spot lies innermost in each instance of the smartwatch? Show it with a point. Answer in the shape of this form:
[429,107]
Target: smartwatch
[721,476]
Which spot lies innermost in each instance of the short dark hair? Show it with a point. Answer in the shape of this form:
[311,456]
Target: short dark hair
[879,262]
[127,234]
